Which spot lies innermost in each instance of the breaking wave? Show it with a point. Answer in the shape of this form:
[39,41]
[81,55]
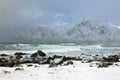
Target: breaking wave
[59,48]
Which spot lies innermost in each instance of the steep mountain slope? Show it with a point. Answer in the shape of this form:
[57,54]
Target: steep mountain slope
[86,31]
[92,31]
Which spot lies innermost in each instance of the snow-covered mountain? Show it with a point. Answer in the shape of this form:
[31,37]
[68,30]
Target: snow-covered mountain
[92,31]
[86,31]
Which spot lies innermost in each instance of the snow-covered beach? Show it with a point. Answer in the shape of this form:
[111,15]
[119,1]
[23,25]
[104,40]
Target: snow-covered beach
[66,62]
[77,71]
[59,40]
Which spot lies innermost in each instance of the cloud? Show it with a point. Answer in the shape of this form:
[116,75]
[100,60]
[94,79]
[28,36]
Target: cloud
[16,15]
[59,15]
[59,19]
[31,13]
[59,23]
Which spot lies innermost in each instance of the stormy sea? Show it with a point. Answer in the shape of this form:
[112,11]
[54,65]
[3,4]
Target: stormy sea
[63,48]
[70,49]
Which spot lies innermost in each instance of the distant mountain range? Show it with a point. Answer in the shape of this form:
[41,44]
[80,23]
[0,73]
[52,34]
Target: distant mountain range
[87,31]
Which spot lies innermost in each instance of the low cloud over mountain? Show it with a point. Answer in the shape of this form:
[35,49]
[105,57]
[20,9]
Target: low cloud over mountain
[88,31]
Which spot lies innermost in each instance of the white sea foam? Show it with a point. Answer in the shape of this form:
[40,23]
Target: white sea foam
[57,48]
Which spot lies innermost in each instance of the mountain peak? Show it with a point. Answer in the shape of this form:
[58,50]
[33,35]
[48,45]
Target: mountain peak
[88,30]
[89,23]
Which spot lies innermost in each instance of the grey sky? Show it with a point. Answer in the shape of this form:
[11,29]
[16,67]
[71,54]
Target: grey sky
[16,15]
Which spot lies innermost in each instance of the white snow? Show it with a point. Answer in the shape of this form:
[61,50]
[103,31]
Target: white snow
[84,31]
[77,71]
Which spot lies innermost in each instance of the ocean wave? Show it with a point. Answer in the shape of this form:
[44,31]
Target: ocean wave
[64,47]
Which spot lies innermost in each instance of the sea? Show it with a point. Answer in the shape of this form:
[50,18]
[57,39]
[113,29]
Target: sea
[60,49]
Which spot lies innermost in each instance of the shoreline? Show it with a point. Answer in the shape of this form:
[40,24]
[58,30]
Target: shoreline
[40,66]
[40,58]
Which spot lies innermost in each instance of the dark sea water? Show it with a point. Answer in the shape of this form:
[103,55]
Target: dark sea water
[64,48]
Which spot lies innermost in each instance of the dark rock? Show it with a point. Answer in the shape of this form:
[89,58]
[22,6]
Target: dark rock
[19,53]
[18,69]
[33,56]
[29,65]
[55,60]
[96,55]
[66,58]
[50,58]
[52,65]
[69,63]
[63,59]
[7,64]
[76,58]
[11,64]
[17,60]
[111,58]
[104,64]
[89,61]
[117,64]
[37,54]
[18,57]
[4,55]
[6,72]
[71,58]
[25,61]
[36,66]
[41,53]
[47,60]
[57,56]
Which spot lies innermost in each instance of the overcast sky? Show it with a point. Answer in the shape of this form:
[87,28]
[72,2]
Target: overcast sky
[16,15]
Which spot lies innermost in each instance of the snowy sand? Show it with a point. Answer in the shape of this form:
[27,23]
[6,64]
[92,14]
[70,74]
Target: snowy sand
[77,71]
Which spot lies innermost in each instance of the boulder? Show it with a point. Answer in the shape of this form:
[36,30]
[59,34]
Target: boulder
[19,53]
[29,65]
[4,55]
[41,53]
[104,64]
[52,64]
[33,56]
[18,69]
[68,63]
[57,56]
[111,58]
[18,57]
[36,55]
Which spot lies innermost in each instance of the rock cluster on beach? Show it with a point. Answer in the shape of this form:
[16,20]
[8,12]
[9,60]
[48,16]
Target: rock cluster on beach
[40,57]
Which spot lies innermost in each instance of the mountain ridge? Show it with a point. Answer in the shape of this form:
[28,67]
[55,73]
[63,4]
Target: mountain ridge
[89,31]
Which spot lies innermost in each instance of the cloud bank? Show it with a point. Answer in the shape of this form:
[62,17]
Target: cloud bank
[16,15]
